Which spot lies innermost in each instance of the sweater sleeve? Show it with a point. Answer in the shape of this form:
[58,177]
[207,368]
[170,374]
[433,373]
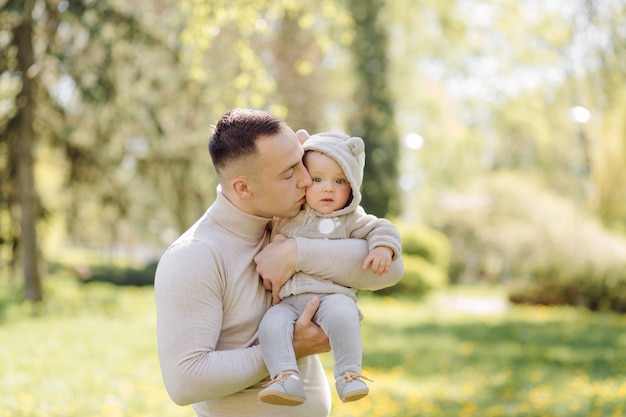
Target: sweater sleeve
[341,261]
[188,292]
[377,231]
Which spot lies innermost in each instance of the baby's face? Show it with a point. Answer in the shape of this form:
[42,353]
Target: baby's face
[330,190]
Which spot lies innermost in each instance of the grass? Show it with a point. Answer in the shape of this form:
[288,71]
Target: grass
[527,361]
[90,351]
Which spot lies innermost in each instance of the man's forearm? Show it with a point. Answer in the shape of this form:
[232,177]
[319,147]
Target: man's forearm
[341,260]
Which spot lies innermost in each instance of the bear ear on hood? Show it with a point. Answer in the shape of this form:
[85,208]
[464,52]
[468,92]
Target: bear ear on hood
[302,135]
[356,145]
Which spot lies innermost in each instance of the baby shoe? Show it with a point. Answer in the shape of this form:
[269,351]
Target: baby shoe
[350,387]
[285,389]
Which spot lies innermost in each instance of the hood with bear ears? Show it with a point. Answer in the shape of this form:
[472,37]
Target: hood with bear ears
[348,151]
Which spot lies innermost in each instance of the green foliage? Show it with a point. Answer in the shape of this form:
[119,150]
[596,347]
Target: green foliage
[373,118]
[512,229]
[488,85]
[591,284]
[420,278]
[272,55]
[426,256]
[123,275]
[90,266]
[609,162]
[476,116]
[426,242]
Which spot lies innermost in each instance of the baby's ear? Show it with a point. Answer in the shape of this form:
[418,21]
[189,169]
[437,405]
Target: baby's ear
[302,135]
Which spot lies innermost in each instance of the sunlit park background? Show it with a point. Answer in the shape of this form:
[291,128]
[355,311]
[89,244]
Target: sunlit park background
[496,141]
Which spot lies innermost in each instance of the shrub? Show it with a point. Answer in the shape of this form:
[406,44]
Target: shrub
[122,275]
[514,230]
[426,256]
[426,242]
[579,283]
[420,277]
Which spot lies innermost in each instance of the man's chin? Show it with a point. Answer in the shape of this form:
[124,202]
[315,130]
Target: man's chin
[295,212]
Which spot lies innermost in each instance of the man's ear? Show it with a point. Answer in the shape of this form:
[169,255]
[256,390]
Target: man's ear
[240,186]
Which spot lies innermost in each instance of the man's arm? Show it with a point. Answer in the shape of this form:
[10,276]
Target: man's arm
[189,323]
[339,260]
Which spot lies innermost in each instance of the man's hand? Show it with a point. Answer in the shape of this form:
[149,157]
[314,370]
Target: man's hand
[308,337]
[276,263]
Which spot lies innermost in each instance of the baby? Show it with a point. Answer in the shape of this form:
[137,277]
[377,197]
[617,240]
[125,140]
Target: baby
[332,211]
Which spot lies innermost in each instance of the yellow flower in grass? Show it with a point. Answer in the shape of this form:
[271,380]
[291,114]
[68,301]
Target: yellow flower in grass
[112,408]
[386,408]
[541,396]
[508,393]
[580,382]
[26,398]
[468,410]
[430,408]
[494,411]
[468,388]
[466,348]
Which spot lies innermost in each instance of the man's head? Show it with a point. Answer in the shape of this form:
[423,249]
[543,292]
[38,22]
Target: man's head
[233,141]
[258,159]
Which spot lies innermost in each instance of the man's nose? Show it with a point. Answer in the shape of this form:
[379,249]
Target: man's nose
[305,179]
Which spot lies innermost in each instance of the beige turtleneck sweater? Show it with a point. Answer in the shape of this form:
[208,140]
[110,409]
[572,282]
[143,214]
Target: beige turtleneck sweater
[210,302]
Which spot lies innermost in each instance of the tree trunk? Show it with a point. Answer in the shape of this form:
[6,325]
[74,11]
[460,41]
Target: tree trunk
[374,117]
[23,141]
[301,93]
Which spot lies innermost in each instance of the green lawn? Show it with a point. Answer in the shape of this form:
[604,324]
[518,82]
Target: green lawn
[91,352]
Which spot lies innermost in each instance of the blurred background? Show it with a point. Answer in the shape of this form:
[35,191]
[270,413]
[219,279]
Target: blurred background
[495,130]
[496,141]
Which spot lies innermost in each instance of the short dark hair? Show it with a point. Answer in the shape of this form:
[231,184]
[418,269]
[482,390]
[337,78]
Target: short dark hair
[236,133]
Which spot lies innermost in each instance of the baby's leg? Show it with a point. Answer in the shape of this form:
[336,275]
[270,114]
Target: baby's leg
[338,315]
[276,337]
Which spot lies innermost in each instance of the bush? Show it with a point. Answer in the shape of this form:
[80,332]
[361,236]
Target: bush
[514,230]
[426,255]
[597,287]
[420,277]
[426,242]
[122,276]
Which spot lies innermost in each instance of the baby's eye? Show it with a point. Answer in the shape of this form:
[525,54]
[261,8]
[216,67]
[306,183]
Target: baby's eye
[317,180]
[341,181]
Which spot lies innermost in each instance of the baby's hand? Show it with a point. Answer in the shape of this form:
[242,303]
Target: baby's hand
[379,259]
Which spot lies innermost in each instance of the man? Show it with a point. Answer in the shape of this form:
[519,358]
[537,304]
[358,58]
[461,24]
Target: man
[210,299]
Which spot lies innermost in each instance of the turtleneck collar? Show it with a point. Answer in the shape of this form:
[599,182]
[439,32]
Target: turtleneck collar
[231,218]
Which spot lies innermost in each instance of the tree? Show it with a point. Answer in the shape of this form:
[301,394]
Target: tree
[373,118]
[22,144]
[281,50]
[599,84]
[277,54]
[76,100]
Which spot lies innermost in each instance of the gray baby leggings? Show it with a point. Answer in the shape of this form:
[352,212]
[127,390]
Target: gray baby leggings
[337,315]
